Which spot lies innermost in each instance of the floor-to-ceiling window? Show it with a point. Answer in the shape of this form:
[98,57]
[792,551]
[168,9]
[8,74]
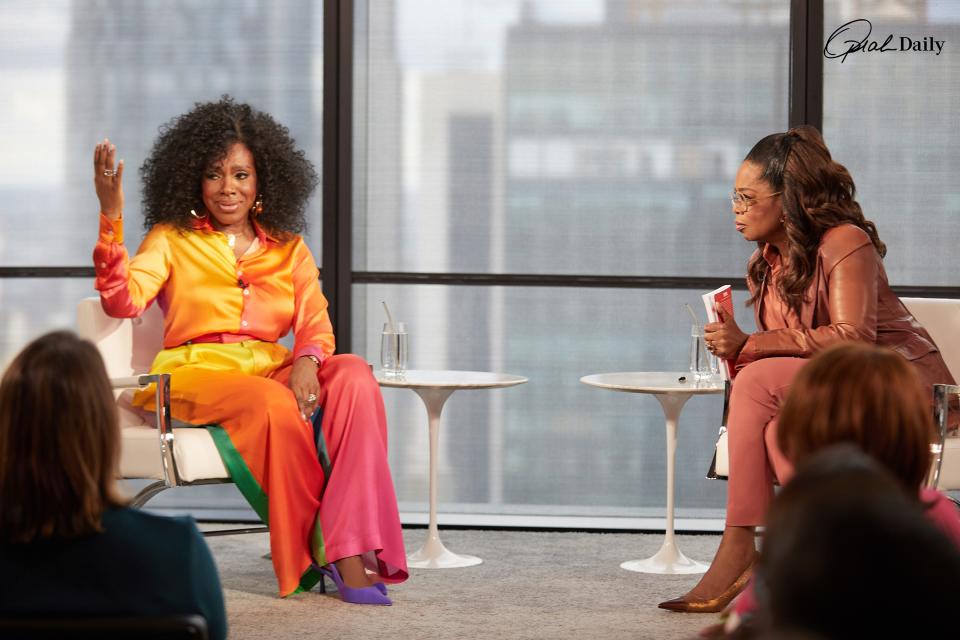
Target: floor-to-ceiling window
[76,71]
[534,186]
[554,139]
[892,119]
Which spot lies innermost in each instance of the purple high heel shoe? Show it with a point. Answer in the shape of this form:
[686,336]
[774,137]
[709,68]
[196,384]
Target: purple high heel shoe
[375,594]
[381,587]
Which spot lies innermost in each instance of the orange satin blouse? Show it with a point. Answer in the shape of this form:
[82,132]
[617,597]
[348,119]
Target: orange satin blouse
[205,290]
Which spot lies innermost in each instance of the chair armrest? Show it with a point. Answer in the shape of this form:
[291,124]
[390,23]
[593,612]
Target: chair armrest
[130,382]
[171,476]
[941,409]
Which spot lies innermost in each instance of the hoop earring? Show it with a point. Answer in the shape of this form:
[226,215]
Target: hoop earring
[198,217]
[258,205]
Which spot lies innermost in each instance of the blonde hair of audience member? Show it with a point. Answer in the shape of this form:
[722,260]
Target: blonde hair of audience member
[866,395]
[59,441]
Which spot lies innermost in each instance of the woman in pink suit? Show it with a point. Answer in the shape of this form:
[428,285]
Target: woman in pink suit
[816,279]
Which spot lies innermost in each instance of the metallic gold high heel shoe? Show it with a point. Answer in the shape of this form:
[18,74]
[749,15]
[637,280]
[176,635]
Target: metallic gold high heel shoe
[713,605]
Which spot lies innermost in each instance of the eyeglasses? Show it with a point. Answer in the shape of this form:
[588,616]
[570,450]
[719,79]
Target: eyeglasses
[741,202]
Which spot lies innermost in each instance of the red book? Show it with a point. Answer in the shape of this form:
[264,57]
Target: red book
[723,298]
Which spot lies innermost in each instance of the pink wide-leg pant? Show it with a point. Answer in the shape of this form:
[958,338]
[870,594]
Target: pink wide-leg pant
[755,460]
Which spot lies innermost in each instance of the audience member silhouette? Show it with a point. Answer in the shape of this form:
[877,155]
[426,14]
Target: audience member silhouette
[69,545]
[849,554]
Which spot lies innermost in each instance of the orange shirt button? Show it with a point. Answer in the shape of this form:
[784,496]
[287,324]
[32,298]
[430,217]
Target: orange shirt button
[243,323]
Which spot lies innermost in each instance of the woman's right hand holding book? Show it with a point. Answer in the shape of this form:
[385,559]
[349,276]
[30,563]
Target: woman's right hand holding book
[724,338]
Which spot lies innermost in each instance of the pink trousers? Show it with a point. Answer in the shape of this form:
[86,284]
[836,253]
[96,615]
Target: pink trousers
[755,461]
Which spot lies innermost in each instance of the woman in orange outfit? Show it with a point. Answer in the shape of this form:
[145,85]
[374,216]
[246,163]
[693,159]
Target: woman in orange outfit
[225,191]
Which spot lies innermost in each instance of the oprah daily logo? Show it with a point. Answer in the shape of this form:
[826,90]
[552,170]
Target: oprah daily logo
[855,36]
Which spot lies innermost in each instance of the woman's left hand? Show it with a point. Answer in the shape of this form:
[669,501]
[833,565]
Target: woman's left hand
[305,386]
[724,339]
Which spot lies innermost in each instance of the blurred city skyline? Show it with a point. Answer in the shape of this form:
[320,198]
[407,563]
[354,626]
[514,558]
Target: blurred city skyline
[494,136]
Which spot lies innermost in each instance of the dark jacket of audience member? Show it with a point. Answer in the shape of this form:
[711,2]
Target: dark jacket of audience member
[848,554]
[69,545]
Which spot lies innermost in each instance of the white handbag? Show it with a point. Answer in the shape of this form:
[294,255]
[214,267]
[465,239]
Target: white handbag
[720,465]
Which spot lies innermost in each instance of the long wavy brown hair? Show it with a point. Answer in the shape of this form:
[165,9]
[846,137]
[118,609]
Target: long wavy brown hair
[816,195]
[59,441]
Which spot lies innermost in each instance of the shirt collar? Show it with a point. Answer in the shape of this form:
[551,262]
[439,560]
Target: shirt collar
[203,224]
[771,255]
[263,234]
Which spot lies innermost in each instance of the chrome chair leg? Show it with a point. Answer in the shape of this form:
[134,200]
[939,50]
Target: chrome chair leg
[147,493]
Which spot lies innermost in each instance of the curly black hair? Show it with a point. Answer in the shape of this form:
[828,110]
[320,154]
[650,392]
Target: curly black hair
[189,143]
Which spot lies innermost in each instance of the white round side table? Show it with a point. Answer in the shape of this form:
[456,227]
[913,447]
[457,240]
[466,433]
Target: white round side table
[672,394]
[434,387]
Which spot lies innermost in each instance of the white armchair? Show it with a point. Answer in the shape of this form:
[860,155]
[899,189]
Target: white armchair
[941,318]
[153,446]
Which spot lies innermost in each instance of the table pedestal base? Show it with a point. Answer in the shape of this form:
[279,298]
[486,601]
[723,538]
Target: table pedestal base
[670,390]
[668,559]
[433,555]
[434,387]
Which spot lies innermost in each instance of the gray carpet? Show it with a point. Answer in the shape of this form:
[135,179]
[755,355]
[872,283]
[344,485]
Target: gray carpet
[530,585]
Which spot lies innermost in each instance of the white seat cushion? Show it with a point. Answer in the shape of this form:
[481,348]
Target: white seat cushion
[950,468]
[128,347]
[196,454]
[941,318]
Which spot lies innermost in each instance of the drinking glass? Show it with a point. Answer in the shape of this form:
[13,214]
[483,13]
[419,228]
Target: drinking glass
[393,350]
[703,364]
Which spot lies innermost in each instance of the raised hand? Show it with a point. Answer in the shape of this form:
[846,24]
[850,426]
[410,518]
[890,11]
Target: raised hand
[108,179]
